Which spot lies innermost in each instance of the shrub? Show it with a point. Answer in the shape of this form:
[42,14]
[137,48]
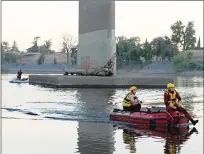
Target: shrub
[183,62]
[11,57]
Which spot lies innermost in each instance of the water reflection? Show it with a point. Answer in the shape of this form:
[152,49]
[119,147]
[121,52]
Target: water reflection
[129,139]
[174,137]
[189,104]
[95,137]
[189,81]
[177,138]
[93,98]
[191,96]
[99,135]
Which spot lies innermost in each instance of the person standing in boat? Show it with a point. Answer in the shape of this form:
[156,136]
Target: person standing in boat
[19,74]
[170,99]
[131,102]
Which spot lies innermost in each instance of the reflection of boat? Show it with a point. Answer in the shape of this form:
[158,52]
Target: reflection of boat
[16,80]
[148,116]
[173,136]
[173,133]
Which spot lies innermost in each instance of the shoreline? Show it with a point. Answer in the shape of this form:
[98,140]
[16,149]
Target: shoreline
[121,74]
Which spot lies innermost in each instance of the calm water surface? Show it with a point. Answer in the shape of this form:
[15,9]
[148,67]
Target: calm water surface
[65,121]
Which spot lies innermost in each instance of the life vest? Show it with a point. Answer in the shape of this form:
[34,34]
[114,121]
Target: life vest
[128,139]
[172,148]
[171,97]
[19,73]
[126,101]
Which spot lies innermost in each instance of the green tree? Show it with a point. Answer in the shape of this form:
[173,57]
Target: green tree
[190,38]
[45,48]
[35,47]
[198,44]
[134,41]
[135,55]
[127,50]
[11,58]
[157,45]
[183,35]
[183,62]
[48,44]
[124,46]
[170,48]
[14,47]
[35,40]
[163,48]
[177,36]
[147,51]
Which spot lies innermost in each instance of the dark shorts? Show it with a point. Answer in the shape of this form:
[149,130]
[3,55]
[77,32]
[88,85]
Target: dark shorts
[133,108]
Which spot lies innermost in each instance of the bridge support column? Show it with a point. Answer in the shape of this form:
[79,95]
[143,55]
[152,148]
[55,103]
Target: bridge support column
[96,33]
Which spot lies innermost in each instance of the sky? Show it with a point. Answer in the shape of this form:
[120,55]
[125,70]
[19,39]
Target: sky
[22,21]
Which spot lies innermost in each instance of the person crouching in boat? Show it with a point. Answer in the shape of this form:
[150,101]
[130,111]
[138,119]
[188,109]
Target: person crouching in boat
[170,97]
[19,74]
[131,102]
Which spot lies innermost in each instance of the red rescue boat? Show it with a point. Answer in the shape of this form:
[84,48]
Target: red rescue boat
[148,116]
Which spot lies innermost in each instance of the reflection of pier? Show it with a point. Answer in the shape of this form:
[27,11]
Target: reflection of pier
[95,137]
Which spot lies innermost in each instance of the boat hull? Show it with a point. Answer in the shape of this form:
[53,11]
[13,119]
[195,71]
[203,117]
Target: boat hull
[16,80]
[148,116]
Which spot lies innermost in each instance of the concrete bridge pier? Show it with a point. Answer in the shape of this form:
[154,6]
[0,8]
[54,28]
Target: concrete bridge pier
[97,45]
[96,33]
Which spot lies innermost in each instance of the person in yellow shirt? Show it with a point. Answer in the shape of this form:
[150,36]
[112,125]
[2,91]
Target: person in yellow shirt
[131,102]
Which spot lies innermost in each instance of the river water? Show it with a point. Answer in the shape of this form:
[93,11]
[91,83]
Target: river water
[43,120]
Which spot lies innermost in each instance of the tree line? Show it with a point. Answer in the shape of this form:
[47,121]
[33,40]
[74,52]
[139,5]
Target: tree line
[130,51]
[68,46]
